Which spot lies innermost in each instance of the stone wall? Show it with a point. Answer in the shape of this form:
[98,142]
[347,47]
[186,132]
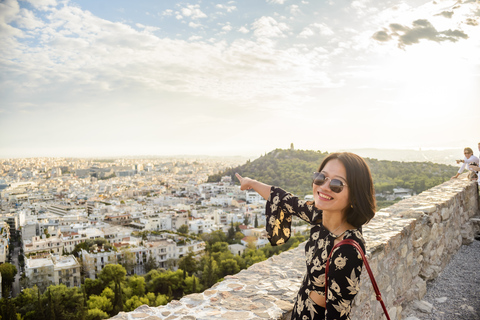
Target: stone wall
[408,244]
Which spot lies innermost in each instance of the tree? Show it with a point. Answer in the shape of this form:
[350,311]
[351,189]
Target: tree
[128,260]
[246,220]
[231,232]
[8,310]
[96,314]
[188,263]
[183,229]
[28,304]
[8,272]
[210,272]
[93,286]
[137,285]
[63,303]
[229,266]
[114,273]
[100,303]
[135,302]
[256,221]
[151,264]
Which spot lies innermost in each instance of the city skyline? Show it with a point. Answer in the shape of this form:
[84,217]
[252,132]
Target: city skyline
[236,78]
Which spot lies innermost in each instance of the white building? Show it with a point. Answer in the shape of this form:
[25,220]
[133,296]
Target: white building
[253,197]
[237,249]
[43,246]
[53,270]
[96,260]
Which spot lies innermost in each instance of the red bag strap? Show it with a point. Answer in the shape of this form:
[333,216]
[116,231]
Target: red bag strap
[367,266]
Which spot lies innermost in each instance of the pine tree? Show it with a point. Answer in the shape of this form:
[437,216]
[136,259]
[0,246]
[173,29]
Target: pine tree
[194,286]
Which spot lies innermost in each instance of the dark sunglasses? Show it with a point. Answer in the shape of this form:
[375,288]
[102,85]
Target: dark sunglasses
[335,184]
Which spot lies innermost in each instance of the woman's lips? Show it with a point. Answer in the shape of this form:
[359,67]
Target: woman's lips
[323,196]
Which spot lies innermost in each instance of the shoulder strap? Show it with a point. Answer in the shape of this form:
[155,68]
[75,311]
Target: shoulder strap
[365,263]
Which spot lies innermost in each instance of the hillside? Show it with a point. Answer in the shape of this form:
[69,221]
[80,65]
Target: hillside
[292,170]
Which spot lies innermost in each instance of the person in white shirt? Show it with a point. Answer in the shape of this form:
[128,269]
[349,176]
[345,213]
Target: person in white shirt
[470,162]
[477,167]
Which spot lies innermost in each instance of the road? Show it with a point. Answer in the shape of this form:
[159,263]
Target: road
[16,283]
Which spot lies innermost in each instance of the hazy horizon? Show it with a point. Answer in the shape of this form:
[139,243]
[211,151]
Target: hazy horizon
[443,156]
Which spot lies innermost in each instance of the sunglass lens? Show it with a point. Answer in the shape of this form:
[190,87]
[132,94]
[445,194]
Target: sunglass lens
[336,185]
[318,178]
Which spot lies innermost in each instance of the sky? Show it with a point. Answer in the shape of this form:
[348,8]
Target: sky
[117,77]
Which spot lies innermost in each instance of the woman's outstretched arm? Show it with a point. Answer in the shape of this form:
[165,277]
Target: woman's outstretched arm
[247,183]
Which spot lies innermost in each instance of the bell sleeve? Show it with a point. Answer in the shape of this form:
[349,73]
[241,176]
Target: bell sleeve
[344,281]
[279,209]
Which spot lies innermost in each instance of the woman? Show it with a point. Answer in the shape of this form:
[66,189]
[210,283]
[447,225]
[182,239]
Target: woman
[470,162]
[343,201]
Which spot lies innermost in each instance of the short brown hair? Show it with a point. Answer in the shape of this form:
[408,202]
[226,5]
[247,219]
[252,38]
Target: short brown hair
[360,184]
[469,150]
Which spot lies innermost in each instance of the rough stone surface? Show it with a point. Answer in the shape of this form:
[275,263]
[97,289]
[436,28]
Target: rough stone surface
[408,245]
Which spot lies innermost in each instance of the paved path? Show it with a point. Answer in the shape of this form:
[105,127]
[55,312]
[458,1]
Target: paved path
[455,293]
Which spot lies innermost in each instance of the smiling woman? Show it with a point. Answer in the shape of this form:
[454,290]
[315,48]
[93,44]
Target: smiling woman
[344,200]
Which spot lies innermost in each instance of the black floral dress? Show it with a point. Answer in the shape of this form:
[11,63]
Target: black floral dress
[345,264]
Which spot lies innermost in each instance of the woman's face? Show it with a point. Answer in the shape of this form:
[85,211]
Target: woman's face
[468,154]
[326,199]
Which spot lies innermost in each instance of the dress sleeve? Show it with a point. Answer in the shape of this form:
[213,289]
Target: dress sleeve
[279,209]
[343,282]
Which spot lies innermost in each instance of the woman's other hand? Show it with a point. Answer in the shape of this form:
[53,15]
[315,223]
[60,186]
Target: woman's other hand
[247,184]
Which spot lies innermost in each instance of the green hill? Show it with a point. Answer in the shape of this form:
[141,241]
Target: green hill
[292,170]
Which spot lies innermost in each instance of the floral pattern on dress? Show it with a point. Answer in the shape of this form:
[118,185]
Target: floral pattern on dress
[345,264]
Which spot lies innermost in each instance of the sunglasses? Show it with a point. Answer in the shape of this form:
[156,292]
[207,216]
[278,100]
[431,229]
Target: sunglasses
[335,184]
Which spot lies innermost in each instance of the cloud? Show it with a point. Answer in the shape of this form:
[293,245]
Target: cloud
[316,28]
[268,27]
[294,9]
[422,29]
[43,4]
[243,30]
[227,27]
[76,59]
[446,14]
[276,1]
[306,32]
[225,7]
[471,22]
[193,11]
[194,25]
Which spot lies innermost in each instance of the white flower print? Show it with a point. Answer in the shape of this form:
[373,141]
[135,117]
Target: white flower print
[273,207]
[271,220]
[309,254]
[310,307]
[343,307]
[319,281]
[303,216]
[334,286]
[315,235]
[340,262]
[353,283]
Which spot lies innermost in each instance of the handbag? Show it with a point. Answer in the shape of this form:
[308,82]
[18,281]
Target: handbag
[367,266]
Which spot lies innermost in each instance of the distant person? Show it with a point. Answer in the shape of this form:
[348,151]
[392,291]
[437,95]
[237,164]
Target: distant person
[477,167]
[470,162]
[344,200]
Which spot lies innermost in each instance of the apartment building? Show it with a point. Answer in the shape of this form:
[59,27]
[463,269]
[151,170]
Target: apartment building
[4,242]
[53,270]
[95,260]
[41,247]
